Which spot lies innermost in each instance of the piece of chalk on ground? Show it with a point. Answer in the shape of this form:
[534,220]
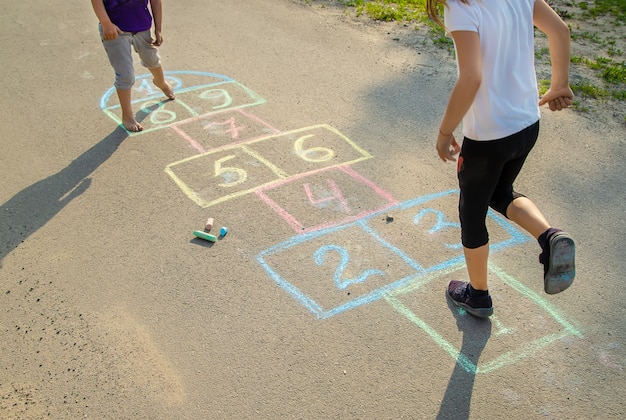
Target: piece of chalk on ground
[205,236]
[223,231]
[209,224]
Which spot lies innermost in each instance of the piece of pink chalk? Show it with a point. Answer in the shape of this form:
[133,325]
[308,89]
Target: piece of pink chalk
[209,225]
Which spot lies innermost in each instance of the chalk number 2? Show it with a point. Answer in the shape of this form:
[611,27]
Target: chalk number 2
[341,282]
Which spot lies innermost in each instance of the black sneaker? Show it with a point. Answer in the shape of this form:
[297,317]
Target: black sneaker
[479,306]
[558,259]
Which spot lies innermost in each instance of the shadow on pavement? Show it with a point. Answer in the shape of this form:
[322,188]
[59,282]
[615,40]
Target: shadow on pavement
[458,396]
[34,206]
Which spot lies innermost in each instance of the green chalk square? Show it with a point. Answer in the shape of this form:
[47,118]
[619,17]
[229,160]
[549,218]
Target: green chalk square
[523,322]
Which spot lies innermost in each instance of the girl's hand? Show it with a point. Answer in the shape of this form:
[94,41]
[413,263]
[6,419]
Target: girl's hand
[447,147]
[558,99]
[158,38]
[110,31]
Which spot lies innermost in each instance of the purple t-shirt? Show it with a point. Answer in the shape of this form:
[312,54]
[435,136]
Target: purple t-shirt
[129,15]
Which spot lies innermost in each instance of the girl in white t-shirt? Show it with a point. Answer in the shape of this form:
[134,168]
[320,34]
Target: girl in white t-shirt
[496,98]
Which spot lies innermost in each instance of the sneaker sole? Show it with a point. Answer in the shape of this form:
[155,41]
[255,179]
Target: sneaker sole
[477,312]
[562,267]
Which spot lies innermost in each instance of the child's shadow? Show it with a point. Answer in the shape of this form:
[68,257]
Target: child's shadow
[34,206]
[458,397]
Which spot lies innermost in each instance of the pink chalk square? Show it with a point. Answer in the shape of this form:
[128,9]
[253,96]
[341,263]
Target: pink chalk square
[212,131]
[325,198]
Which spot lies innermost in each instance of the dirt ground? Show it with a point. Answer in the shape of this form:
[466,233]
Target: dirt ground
[309,134]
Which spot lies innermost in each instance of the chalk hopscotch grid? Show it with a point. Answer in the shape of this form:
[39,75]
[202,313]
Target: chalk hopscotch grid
[310,303]
[394,298]
[392,292]
[421,276]
[160,103]
[280,174]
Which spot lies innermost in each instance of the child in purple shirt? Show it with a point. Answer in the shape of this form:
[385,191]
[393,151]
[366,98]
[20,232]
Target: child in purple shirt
[125,24]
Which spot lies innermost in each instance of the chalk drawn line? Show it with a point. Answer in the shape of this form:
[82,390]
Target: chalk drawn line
[299,227]
[111,91]
[319,310]
[280,174]
[177,126]
[223,81]
[504,359]
[421,276]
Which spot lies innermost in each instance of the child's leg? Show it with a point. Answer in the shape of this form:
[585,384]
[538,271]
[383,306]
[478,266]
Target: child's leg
[479,171]
[120,56]
[128,116]
[150,58]
[526,214]
[558,249]
[159,80]
[486,176]
[476,261]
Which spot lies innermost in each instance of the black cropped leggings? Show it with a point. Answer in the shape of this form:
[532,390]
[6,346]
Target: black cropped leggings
[486,172]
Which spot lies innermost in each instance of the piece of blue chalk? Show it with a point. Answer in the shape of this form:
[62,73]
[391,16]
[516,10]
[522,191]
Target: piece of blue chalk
[223,231]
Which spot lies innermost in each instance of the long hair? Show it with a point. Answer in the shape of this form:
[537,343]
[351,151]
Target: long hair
[432,8]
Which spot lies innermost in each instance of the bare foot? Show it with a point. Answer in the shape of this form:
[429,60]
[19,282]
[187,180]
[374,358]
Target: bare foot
[167,89]
[131,124]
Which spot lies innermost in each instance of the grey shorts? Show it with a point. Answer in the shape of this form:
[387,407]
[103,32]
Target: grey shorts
[120,55]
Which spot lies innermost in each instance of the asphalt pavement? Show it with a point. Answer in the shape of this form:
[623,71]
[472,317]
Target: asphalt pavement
[309,135]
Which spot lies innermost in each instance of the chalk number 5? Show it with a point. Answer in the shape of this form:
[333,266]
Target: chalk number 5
[232,176]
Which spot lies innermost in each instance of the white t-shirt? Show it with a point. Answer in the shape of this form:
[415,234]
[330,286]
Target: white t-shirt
[507,100]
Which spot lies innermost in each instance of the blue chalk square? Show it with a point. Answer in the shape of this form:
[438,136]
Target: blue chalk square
[524,323]
[427,229]
[337,269]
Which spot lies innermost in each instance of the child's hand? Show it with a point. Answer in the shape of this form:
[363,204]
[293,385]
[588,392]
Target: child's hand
[110,31]
[158,38]
[447,147]
[558,99]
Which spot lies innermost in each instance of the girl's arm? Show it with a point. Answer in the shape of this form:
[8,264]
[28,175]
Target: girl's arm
[559,96]
[469,58]
[109,29]
[157,14]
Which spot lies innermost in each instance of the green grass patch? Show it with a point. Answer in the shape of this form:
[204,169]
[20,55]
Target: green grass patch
[589,90]
[610,71]
[543,86]
[615,8]
[391,10]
